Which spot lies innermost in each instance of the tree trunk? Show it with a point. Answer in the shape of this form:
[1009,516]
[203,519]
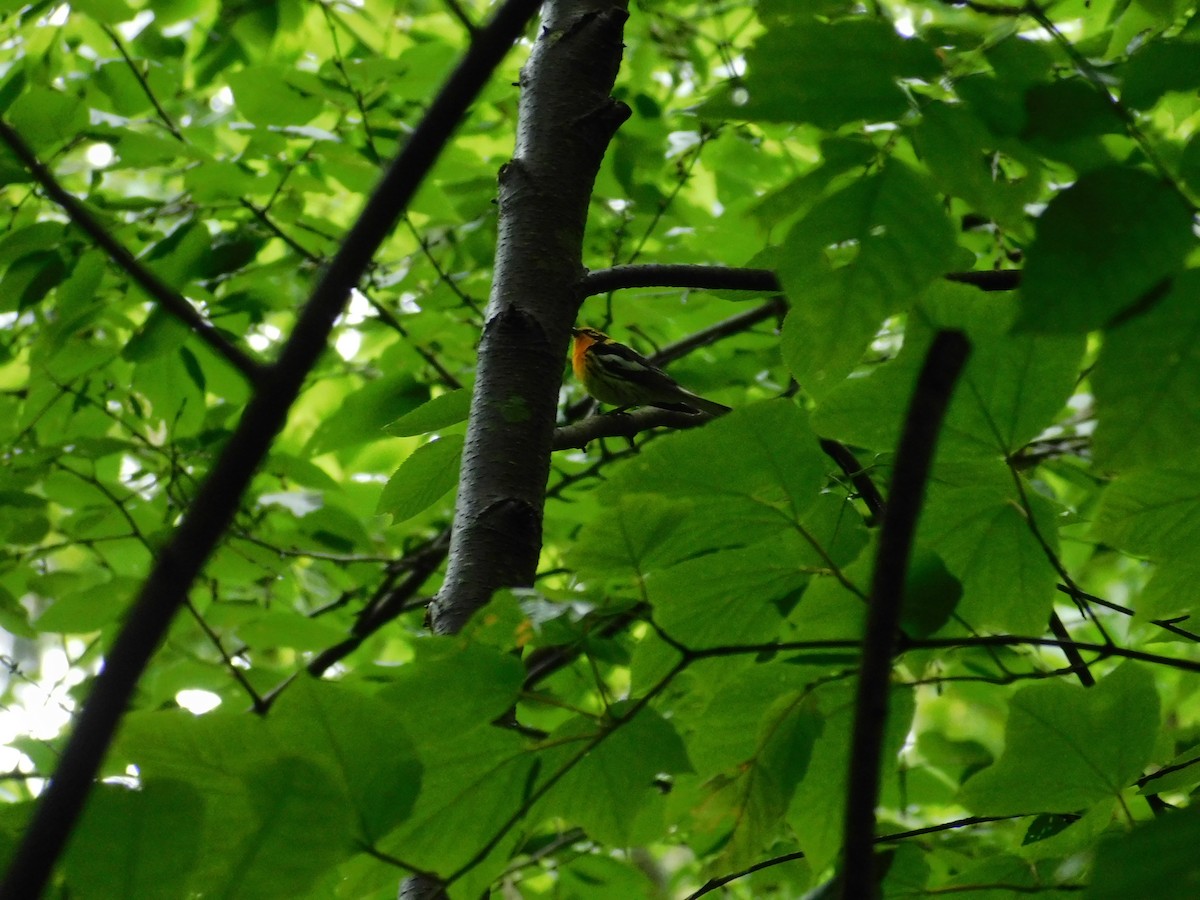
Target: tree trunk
[566,120]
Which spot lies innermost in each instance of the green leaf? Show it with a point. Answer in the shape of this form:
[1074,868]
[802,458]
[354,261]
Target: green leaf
[1169,593]
[963,157]
[1150,414]
[161,334]
[860,255]
[460,686]
[974,517]
[110,12]
[1183,772]
[1011,389]
[1158,67]
[474,780]
[299,826]
[1069,109]
[287,628]
[1103,246]
[730,596]
[423,478]
[753,470]
[760,789]
[362,414]
[606,790]
[182,256]
[633,536]
[216,180]
[931,594]
[1068,747]
[361,740]
[46,118]
[441,412]
[85,609]
[30,279]
[827,74]
[1152,511]
[1157,859]
[603,878]
[817,808]
[138,844]
[271,95]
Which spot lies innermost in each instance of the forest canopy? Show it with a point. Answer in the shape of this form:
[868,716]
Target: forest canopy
[320,573]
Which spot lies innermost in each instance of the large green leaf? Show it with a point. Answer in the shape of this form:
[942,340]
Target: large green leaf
[754,797]
[363,414]
[608,788]
[138,844]
[860,255]
[730,596]
[961,154]
[1152,511]
[1149,414]
[1103,246]
[362,741]
[817,810]
[1012,387]
[1068,747]
[756,468]
[826,73]
[1155,859]
[299,825]
[974,516]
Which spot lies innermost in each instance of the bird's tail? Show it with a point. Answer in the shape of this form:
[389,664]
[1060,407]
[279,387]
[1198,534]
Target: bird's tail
[694,403]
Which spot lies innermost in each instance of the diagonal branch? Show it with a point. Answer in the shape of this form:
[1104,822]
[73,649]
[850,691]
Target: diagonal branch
[170,299]
[182,557]
[914,457]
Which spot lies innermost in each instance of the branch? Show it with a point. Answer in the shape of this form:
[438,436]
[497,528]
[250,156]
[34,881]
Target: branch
[624,425]
[914,457]
[709,278]
[216,502]
[713,883]
[732,278]
[858,476]
[168,298]
[1166,624]
[736,324]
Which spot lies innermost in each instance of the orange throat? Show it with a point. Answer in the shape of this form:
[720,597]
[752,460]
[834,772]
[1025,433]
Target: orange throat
[579,355]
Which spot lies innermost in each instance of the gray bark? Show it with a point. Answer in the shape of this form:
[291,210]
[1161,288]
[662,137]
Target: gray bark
[566,120]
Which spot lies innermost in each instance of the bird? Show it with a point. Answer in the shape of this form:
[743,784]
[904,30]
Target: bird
[614,374]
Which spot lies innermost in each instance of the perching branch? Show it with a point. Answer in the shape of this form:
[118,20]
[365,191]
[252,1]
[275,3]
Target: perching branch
[624,425]
[193,540]
[168,298]
[914,457]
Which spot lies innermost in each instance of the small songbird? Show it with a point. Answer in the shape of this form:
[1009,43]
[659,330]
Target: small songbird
[614,374]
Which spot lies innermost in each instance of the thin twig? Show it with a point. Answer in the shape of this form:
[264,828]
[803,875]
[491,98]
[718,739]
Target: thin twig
[714,883]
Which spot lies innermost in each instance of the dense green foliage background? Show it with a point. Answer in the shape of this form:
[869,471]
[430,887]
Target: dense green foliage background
[862,152]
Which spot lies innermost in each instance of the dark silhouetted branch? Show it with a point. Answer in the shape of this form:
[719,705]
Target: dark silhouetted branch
[914,458]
